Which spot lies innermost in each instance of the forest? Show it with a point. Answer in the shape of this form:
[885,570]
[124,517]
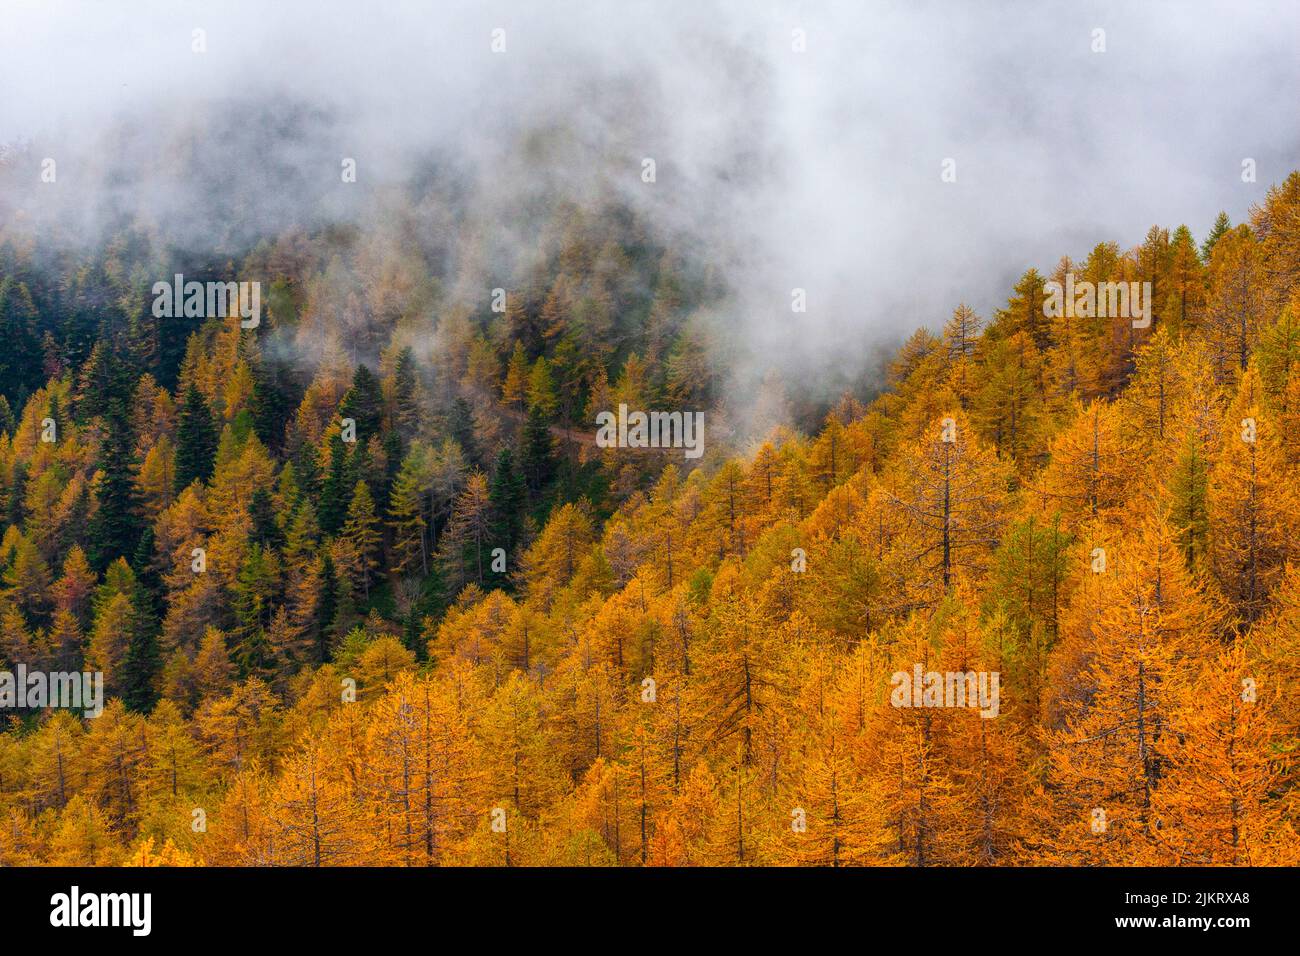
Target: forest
[364,590]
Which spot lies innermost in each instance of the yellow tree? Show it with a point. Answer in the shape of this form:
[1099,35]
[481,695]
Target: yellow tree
[114,624]
[554,557]
[240,727]
[155,482]
[173,766]
[521,773]
[84,837]
[55,771]
[984,745]
[313,816]
[241,831]
[462,551]
[514,388]
[114,753]
[1154,628]
[421,769]
[1276,643]
[905,756]
[1252,506]
[740,675]
[1218,801]
[1274,221]
[147,853]
[683,834]
[1093,468]
[834,817]
[1236,308]
[946,498]
[1150,403]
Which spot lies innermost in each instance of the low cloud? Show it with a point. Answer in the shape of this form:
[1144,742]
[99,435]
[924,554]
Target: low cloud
[778,168]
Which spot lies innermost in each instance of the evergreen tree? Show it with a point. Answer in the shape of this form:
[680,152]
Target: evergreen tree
[7,423]
[1222,225]
[329,605]
[406,399]
[364,403]
[196,441]
[143,662]
[334,489]
[1189,508]
[20,358]
[270,404]
[115,529]
[508,497]
[539,457]
[265,531]
[1024,312]
[254,656]
[461,428]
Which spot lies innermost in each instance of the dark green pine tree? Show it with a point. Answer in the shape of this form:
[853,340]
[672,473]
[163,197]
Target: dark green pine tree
[328,607]
[17,494]
[461,427]
[115,530]
[55,413]
[1221,225]
[271,404]
[97,381]
[265,531]
[539,456]
[196,441]
[364,402]
[406,410]
[146,571]
[507,497]
[394,452]
[336,489]
[7,424]
[142,342]
[346,614]
[571,369]
[140,670]
[427,605]
[73,527]
[143,657]
[306,469]
[254,603]
[141,666]
[1030,570]
[20,353]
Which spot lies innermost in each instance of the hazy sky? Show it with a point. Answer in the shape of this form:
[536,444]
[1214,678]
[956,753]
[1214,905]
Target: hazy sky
[817,169]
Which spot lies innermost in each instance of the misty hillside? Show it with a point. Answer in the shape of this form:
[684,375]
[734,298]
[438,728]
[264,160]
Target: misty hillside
[645,435]
[389,488]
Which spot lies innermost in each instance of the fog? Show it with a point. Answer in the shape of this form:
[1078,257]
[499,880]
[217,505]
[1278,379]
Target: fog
[783,168]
